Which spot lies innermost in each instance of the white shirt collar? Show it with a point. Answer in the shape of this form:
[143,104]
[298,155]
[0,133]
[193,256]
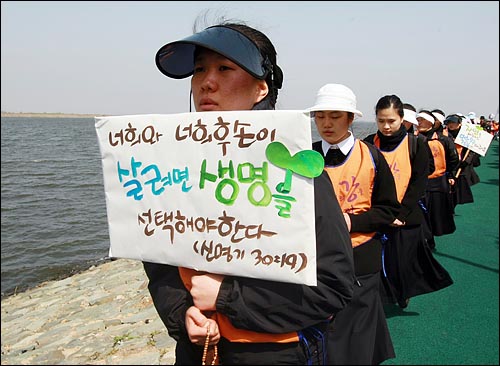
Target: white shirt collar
[345,145]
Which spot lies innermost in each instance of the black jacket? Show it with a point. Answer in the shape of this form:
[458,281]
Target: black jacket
[468,161]
[269,306]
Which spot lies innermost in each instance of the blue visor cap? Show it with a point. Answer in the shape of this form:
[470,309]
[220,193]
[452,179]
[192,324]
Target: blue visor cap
[452,119]
[176,59]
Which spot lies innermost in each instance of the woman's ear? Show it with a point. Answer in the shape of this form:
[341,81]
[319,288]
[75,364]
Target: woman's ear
[350,116]
[262,90]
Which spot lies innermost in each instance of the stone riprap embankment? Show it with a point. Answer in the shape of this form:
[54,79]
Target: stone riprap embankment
[103,316]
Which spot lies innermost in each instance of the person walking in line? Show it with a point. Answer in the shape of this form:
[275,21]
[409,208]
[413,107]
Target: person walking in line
[439,126]
[409,268]
[411,124]
[410,118]
[438,199]
[366,191]
[493,125]
[465,175]
[249,321]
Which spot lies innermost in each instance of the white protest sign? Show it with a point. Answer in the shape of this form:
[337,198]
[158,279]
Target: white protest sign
[474,138]
[222,192]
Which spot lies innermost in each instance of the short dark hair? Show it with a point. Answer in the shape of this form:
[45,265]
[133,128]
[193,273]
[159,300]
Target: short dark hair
[274,79]
[426,111]
[389,101]
[438,111]
[409,106]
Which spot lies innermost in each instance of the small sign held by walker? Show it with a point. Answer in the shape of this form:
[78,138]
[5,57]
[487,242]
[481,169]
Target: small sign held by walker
[474,138]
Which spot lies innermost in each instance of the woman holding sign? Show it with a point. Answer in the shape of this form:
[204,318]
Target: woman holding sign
[465,175]
[247,320]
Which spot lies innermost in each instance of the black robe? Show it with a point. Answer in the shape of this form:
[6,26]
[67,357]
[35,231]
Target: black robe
[410,269]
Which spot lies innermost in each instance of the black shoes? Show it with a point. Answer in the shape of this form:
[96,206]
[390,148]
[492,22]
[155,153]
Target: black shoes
[403,304]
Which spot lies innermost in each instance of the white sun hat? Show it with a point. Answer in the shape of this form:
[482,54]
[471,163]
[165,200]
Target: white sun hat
[335,97]
[410,116]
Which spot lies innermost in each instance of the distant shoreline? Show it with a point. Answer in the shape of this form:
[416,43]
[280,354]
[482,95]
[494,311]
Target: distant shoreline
[49,115]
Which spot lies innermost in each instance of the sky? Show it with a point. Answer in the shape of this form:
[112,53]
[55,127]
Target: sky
[97,57]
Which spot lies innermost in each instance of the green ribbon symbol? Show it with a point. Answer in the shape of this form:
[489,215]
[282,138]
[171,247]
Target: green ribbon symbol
[307,163]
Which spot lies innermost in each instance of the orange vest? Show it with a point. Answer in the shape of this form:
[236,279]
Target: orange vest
[228,331]
[353,183]
[400,164]
[439,155]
